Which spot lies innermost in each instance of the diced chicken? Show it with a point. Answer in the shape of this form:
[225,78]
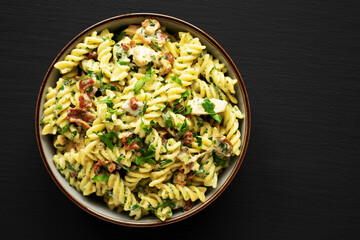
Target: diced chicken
[197,108]
[131,30]
[150,26]
[142,55]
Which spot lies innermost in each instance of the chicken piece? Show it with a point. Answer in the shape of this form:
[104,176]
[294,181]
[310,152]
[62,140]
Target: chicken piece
[143,55]
[150,26]
[197,108]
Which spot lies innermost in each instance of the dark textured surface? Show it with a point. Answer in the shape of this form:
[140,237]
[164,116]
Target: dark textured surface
[300,62]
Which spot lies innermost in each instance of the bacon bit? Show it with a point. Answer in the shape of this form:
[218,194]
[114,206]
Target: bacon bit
[92,55]
[112,167]
[183,179]
[162,36]
[125,47]
[85,83]
[73,174]
[133,145]
[80,117]
[124,139]
[188,138]
[97,166]
[166,67]
[188,205]
[169,57]
[133,103]
[132,43]
[84,102]
[87,86]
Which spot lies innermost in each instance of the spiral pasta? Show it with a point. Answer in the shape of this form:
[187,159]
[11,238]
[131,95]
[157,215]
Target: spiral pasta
[144,119]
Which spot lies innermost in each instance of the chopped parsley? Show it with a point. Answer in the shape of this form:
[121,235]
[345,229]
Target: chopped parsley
[209,107]
[218,161]
[108,138]
[65,128]
[177,80]
[142,81]
[146,157]
[108,101]
[168,120]
[183,129]
[165,162]
[101,178]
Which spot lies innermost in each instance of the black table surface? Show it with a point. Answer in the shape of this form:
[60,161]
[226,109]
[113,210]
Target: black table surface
[300,63]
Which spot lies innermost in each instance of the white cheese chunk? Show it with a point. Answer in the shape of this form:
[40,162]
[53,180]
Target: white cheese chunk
[197,108]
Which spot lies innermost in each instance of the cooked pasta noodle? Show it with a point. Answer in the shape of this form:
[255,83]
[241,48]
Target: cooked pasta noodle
[145,120]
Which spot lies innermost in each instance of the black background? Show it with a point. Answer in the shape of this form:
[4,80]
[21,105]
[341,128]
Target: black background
[300,63]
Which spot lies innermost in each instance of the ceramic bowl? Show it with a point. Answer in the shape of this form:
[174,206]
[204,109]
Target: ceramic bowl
[96,206]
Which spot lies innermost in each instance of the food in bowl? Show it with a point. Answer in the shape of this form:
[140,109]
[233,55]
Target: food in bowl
[143,118]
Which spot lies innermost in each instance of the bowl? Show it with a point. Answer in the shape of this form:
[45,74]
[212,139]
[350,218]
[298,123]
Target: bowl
[96,206]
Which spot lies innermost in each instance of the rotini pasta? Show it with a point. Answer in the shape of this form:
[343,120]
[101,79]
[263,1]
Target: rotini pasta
[143,118]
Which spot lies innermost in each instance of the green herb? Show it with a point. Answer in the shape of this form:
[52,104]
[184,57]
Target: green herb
[109,87]
[209,107]
[177,80]
[59,107]
[183,129]
[120,158]
[59,145]
[142,81]
[71,168]
[151,23]
[156,45]
[67,81]
[161,107]
[108,102]
[145,128]
[166,203]
[65,128]
[101,178]
[218,92]
[88,75]
[184,97]
[135,207]
[61,88]
[108,138]
[200,171]
[199,122]
[166,143]
[178,125]
[198,139]
[189,53]
[168,120]
[119,35]
[218,161]
[123,63]
[211,79]
[146,157]
[165,162]
[73,135]
[143,111]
